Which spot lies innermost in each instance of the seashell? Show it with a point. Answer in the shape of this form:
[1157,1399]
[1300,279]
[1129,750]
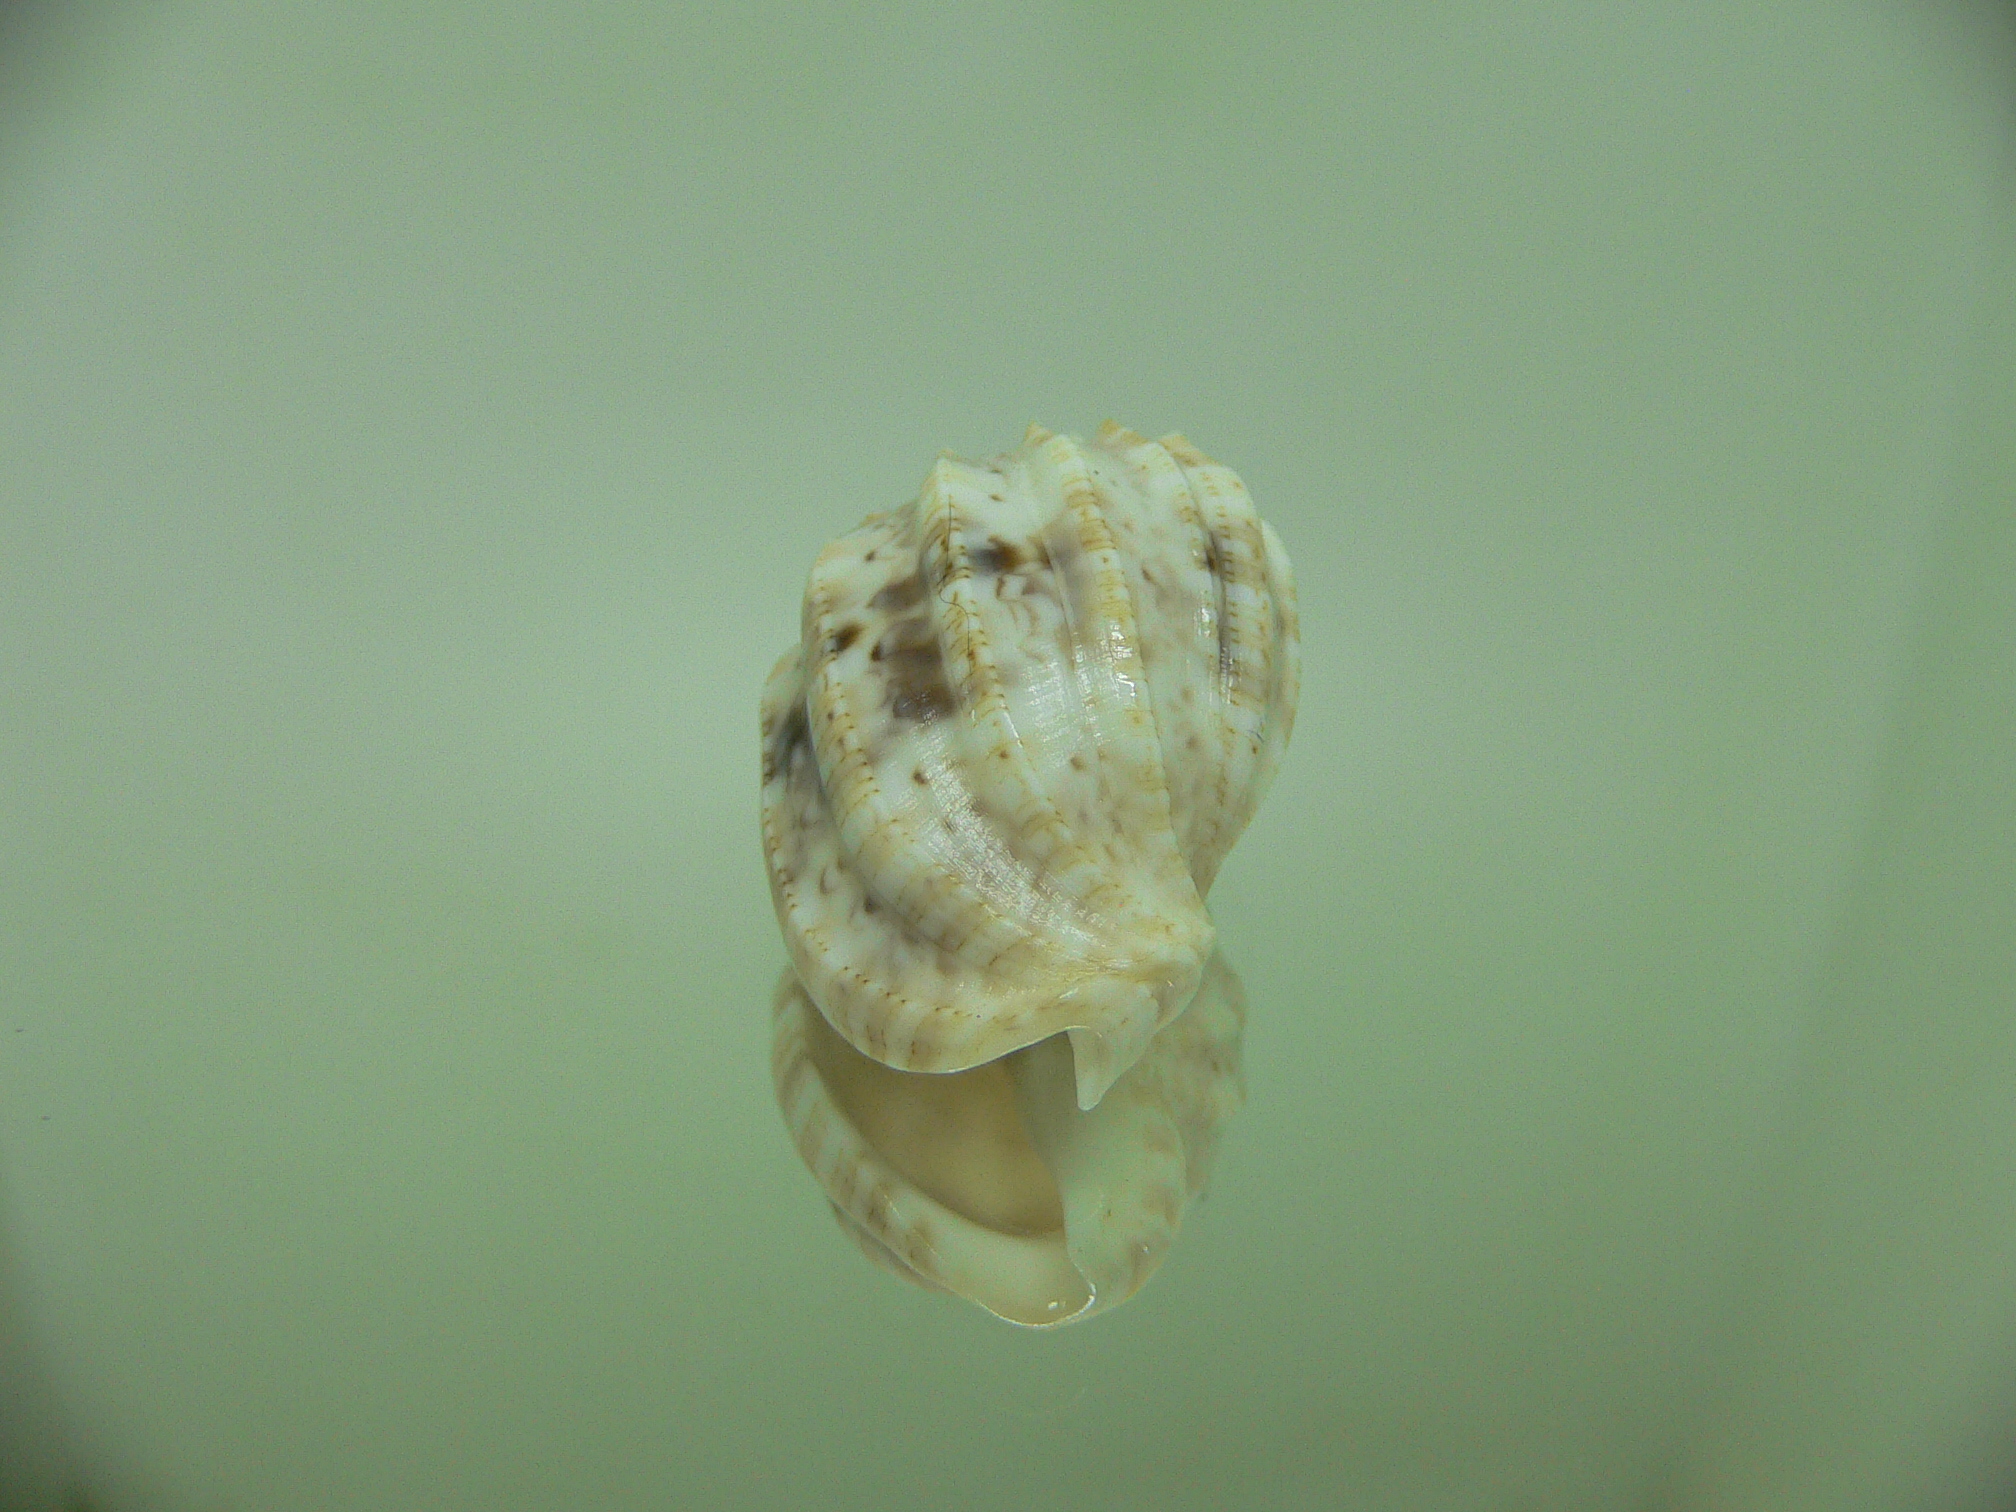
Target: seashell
[992,1183]
[1029,714]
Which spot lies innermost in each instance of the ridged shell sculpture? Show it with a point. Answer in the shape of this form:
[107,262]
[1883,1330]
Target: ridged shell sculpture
[1029,714]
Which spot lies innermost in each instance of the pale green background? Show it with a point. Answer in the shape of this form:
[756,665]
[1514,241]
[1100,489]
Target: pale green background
[415,425]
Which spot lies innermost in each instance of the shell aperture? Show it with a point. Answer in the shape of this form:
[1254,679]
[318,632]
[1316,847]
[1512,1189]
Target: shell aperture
[1028,716]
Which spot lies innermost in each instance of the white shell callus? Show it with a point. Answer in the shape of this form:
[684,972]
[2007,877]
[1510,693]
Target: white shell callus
[1029,714]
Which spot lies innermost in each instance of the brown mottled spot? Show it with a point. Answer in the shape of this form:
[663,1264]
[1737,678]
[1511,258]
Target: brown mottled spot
[894,598]
[869,905]
[777,752]
[908,654]
[911,634]
[844,637]
[917,686]
[998,556]
[917,776]
[1077,762]
[880,1206]
[1213,563]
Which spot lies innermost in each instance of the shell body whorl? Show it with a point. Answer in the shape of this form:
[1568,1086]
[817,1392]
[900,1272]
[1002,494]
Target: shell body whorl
[1029,714]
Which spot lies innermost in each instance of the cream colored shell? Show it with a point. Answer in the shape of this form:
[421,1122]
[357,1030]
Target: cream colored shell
[1028,716]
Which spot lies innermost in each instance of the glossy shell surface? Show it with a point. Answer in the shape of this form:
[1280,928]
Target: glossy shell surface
[1027,717]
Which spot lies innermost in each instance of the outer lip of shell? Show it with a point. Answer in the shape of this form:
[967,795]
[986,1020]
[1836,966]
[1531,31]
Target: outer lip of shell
[1119,1175]
[1023,1278]
[1120,1018]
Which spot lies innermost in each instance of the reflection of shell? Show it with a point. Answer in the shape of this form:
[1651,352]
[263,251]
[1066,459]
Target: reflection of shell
[1030,714]
[992,1183]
